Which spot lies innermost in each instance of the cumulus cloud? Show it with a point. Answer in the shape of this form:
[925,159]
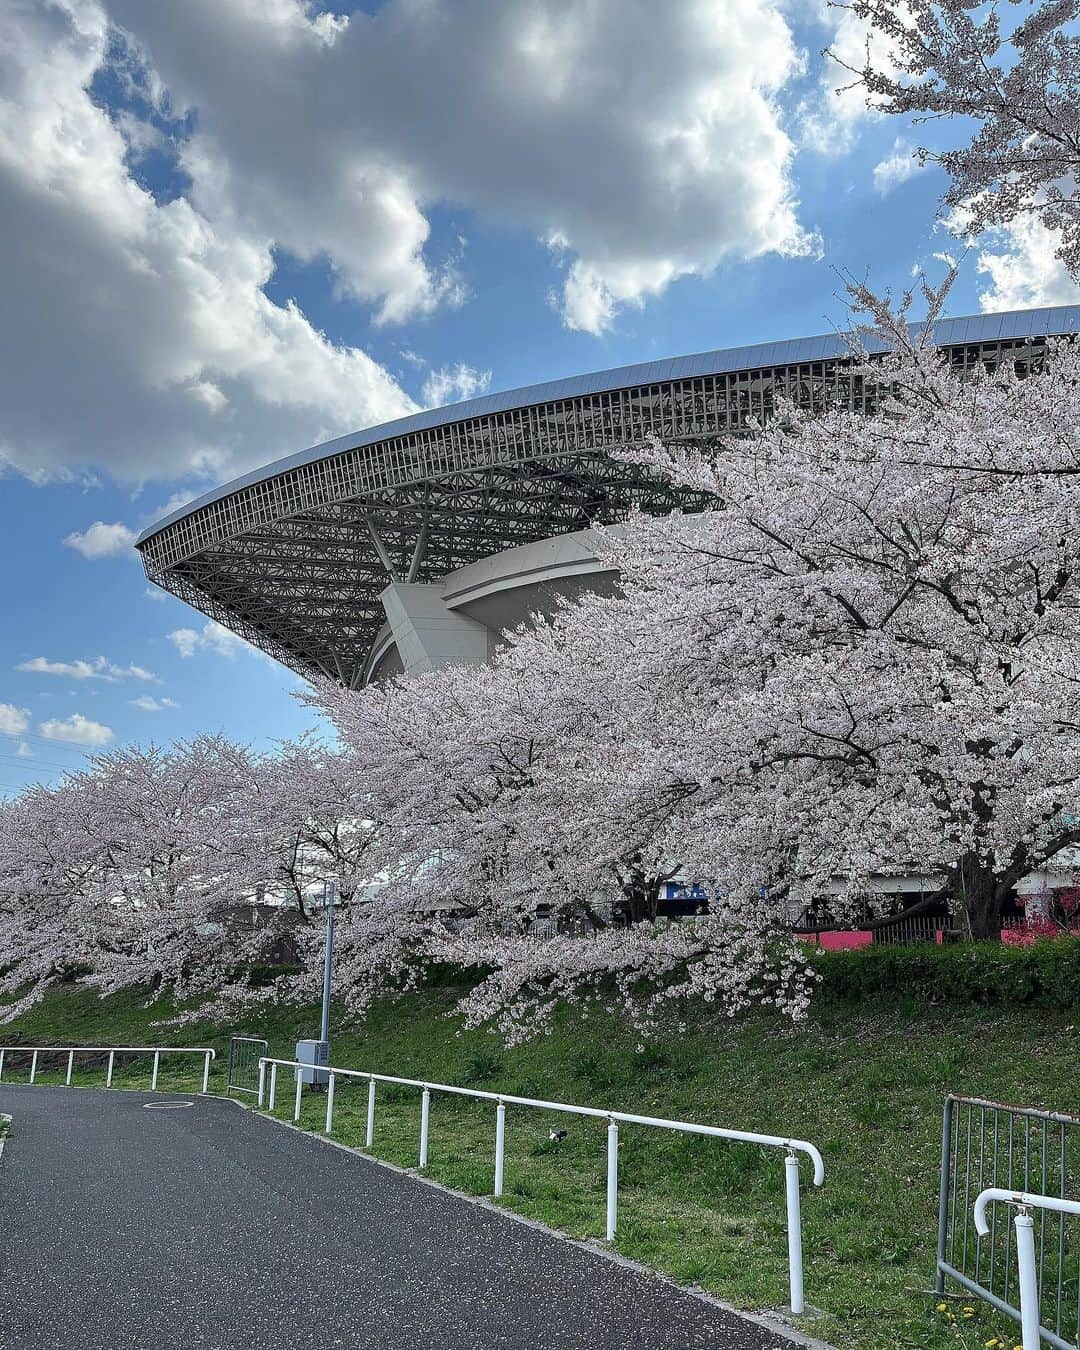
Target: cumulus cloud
[453,384]
[78,730]
[98,668]
[148,704]
[150,312]
[212,637]
[13,721]
[830,121]
[556,124]
[1022,269]
[900,164]
[101,540]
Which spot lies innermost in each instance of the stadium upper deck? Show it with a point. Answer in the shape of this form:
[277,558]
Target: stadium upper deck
[298,557]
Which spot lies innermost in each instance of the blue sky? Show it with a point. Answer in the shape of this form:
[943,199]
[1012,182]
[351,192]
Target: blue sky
[236,230]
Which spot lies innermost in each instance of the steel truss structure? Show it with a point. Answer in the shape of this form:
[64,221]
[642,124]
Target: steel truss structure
[294,558]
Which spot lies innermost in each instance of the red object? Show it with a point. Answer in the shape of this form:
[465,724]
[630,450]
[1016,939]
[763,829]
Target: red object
[1030,930]
[838,942]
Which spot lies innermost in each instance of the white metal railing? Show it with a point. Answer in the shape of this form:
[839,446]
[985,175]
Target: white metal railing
[1030,1322]
[112,1051]
[504,1099]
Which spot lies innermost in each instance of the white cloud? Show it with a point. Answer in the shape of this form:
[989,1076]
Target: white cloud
[24,751]
[101,540]
[78,730]
[830,122]
[536,114]
[453,384]
[155,593]
[1023,271]
[212,637]
[185,640]
[98,668]
[150,314]
[147,704]
[174,503]
[900,164]
[13,721]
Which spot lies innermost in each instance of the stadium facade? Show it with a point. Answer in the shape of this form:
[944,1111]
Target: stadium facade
[415,544]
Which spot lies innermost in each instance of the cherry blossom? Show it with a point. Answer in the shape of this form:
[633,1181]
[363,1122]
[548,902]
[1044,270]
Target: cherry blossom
[1019,83]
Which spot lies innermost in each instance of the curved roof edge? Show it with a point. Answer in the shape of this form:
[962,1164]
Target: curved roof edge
[1050,321]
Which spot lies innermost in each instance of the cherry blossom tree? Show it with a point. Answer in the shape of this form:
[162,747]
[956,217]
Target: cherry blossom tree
[139,871]
[1019,83]
[50,867]
[532,809]
[899,595]
[863,662]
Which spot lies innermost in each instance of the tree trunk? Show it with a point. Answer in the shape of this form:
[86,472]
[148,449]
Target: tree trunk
[979,896]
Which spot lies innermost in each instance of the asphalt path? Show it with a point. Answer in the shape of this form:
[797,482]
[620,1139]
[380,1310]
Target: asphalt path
[209,1226]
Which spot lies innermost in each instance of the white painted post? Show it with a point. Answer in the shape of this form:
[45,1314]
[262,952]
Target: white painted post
[206,1073]
[2,1054]
[425,1125]
[500,1146]
[299,1089]
[33,1066]
[108,1071]
[612,1177]
[153,1073]
[71,1065]
[794,1234]
[262,1080]
[1029,1284]
[273,1087]
[330,1105]
[369,1137]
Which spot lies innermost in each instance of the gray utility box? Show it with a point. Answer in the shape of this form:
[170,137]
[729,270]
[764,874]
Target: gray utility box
[310,1054]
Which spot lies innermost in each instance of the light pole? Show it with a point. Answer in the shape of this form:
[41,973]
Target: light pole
[330,899]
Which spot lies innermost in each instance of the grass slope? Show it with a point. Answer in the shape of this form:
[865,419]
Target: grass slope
[865,1084]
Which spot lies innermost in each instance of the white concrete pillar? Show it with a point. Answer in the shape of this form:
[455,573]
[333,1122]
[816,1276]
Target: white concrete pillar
[428,635]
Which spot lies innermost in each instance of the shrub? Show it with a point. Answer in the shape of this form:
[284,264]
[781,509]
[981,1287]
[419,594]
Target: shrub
[1044,974]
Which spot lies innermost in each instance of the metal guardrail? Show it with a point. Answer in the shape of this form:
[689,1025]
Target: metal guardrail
[245,1054]
[1028,1279]
[995,1150]
[502,1100]
[112,1051]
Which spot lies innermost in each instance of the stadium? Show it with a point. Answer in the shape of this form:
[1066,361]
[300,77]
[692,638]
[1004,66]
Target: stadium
[415,544]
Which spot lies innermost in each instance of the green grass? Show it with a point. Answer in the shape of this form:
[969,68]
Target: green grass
[865,1085]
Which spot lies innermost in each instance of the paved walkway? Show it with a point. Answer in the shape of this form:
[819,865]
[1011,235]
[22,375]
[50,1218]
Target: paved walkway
[207,1226]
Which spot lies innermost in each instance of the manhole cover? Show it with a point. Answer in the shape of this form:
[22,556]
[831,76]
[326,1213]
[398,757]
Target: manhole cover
[166,1106]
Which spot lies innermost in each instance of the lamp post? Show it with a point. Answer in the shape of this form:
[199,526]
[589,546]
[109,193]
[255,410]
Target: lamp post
[330,900]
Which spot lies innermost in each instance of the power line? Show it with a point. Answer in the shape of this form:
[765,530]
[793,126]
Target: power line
[31,765]
[58,747]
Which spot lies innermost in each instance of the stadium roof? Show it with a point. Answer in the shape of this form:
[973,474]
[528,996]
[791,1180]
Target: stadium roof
[293,556]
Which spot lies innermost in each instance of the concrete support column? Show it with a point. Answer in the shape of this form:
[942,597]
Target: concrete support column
[428,635]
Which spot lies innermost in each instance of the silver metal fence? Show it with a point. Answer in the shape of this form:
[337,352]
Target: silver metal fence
[1000,1150]
[156,1051]
[245,1055]
[502,1100]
